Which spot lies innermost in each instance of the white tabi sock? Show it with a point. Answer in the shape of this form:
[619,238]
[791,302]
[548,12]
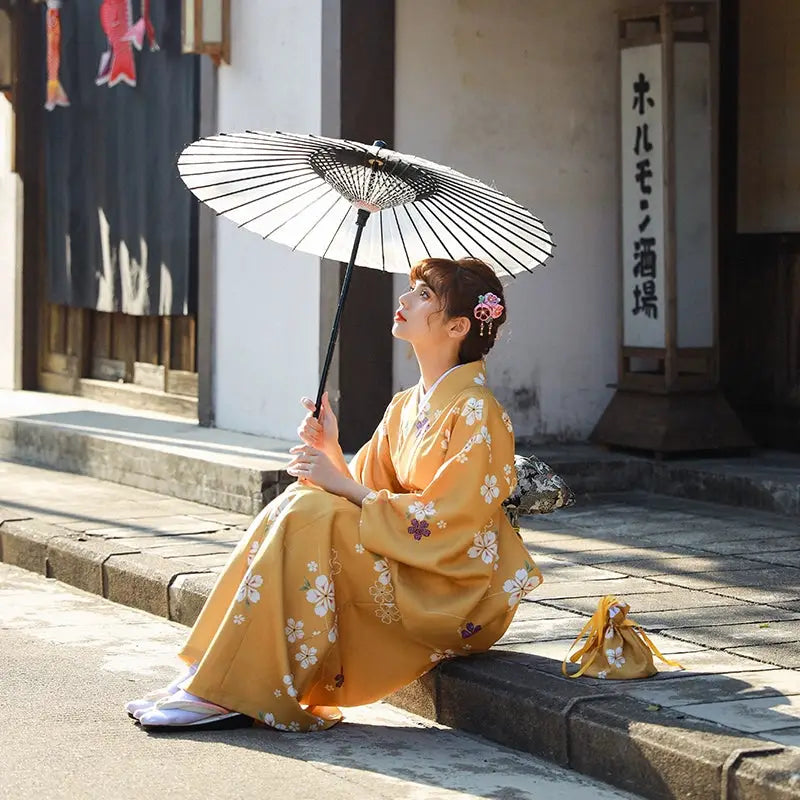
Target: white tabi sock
[136,707]
[163,713]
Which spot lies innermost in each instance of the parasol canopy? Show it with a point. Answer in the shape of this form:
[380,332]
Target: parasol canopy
[310,192]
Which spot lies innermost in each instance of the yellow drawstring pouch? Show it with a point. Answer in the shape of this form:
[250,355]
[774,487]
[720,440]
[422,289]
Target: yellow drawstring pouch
[616,647]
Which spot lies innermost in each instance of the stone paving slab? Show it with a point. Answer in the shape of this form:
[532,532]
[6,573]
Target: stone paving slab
[178,523]
[715,688]
[757,594]
[785,558]
[585,551]
[660,600]
[555,650]
[752,634]
[224,517]
[782,579]
[750,548]
[562,542]
[712,615]
[649,568]
[133,570]
[786,736]
[533,609]
[784,655]
[225,538]
[750,716]
[542,630]
[559,571]
[619,586]
[202,563]
[710,535]
[712,662]
[169,549]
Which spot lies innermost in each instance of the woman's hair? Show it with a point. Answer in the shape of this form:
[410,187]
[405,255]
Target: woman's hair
[458,285]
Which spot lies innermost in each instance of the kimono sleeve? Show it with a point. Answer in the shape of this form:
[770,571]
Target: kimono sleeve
[372,465]
[435,530]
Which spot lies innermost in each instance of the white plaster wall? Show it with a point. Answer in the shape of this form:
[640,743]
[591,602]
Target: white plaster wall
[10,257]
[6,134]
[524,94]
[267,320]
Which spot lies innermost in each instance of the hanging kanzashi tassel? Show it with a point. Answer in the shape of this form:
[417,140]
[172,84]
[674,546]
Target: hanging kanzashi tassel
[144,24]
[116,64]
[56,96]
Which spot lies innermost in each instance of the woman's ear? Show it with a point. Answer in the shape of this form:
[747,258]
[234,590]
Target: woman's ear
[459,327]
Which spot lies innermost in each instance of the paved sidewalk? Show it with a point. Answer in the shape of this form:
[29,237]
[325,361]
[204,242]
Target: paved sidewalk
[719,586]
[378,752]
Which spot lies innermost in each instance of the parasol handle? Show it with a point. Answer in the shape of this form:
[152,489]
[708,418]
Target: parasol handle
[361,221]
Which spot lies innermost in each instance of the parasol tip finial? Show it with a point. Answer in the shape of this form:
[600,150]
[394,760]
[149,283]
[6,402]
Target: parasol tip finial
[379,143]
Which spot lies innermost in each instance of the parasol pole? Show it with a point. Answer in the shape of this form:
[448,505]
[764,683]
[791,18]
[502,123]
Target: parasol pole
[361,221]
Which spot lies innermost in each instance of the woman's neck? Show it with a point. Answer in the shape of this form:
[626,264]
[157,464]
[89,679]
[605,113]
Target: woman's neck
[433,364]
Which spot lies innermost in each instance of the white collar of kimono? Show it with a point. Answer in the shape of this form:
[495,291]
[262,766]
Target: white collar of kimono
[427,396]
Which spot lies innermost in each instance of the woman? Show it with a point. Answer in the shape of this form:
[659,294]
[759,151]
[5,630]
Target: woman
[359,579]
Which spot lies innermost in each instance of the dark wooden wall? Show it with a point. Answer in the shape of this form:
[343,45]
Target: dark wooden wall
[26,96]
[760,327]
[759,286]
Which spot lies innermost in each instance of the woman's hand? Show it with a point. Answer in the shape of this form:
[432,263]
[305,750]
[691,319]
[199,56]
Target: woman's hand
[322,433]
[311,465]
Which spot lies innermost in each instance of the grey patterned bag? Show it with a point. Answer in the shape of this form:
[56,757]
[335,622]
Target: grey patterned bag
[538,491]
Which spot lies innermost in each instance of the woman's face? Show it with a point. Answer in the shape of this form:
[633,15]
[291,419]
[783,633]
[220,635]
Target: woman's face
[416,319]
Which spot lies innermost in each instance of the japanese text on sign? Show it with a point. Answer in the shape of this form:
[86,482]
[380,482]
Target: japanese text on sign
[645,256]
[642,197]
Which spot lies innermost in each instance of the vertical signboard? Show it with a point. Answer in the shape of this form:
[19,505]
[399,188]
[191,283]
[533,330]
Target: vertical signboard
[642,142]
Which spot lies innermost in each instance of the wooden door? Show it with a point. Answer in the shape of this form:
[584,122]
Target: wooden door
[146,362]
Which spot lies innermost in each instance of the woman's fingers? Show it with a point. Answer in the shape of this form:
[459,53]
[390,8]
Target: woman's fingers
[303,454]
[312,425]
[326,406]
[308,437]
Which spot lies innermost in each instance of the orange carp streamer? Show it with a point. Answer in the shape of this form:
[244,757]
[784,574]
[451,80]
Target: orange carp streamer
[56,96]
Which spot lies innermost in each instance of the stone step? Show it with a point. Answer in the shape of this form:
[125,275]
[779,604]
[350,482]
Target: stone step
[240,472]
[147,450]
[766,481]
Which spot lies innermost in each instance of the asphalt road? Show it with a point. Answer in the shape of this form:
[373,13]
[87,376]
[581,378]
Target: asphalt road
[69,661]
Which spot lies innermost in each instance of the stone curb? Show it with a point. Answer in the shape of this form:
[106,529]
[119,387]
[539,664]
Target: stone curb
[116,570]
[653,752]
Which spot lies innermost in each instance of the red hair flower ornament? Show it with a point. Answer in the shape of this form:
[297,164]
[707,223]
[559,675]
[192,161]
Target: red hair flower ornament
[489,308]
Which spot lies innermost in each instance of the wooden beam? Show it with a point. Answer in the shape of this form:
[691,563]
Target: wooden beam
[26,96]
[366,97]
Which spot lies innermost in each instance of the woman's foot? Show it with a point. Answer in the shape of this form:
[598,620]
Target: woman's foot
[183,711]
[137,707]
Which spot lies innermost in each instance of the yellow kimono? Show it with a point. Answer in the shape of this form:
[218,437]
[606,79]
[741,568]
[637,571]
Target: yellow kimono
[326,604]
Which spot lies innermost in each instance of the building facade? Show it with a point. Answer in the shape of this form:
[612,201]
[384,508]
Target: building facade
[525,96]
